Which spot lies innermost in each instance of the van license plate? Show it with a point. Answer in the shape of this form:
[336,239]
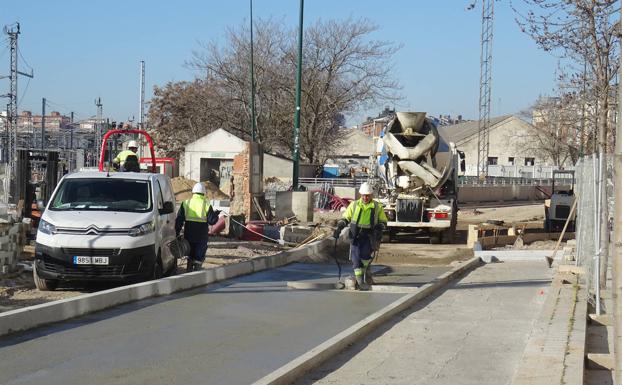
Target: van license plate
[87,260]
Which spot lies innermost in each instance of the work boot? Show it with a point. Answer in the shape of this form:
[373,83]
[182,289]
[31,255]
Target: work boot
[189,265]
[362,286]
[198,265]
[360,281]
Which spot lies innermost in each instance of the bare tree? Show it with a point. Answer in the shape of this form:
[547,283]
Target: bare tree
[179,114]
[555,136]
[585,33]
[343,71]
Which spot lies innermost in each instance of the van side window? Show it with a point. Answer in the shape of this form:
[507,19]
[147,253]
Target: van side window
[167,191]
[159,197]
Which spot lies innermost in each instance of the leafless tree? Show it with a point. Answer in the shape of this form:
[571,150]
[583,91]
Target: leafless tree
[343,71]
[585,33]
[556,121]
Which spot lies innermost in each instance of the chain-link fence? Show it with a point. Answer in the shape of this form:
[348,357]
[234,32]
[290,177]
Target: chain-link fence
[589,226]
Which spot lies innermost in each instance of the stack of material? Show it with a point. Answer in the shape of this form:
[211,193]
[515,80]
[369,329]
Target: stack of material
[182,188]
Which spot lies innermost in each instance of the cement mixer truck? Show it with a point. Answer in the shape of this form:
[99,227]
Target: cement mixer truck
[416,178]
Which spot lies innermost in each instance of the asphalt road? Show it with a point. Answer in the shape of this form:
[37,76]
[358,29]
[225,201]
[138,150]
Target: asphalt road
[232,333]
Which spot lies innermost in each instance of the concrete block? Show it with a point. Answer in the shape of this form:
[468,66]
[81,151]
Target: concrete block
[346,192]
[472,236]
[298,203]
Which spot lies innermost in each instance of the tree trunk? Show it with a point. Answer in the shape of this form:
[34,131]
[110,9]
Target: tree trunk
[617,239]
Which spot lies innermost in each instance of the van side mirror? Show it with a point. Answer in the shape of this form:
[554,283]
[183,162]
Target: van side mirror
[167,208]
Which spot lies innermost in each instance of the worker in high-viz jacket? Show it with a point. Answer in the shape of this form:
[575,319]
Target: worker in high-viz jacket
[194,216]
[367,221]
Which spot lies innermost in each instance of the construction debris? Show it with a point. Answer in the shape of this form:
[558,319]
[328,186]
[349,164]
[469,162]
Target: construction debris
[182,188]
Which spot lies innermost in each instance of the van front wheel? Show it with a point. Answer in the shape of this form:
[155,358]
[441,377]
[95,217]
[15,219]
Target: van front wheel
[157,268]
[41,283]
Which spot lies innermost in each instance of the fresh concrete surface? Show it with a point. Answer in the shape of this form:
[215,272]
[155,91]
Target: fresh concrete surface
[233,332]
[294,369]
[473,332]
[38,315]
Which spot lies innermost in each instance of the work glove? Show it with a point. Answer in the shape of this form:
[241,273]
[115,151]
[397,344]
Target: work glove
[378,229]
[340,226]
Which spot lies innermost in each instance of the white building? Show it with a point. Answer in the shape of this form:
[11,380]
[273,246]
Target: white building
[211,158]
[511,153]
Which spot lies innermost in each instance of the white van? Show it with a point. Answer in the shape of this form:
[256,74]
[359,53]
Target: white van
[101,226]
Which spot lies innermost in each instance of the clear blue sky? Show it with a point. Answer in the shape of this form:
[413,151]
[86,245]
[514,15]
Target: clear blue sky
[81,50]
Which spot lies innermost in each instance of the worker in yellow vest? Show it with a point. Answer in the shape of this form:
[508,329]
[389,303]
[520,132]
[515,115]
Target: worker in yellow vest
[194,216]
[122,162]
[367,221]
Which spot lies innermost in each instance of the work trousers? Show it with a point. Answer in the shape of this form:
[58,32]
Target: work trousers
[360,251]
[198,250]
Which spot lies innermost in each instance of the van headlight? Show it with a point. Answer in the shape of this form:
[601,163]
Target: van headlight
[141,230]
[46,227]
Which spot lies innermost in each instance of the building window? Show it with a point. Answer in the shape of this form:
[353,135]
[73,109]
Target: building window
[511,161]
[493,160]
[530,161]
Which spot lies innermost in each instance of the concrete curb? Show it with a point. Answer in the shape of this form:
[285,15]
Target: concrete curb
[294,369]
[61,310]
[490,256]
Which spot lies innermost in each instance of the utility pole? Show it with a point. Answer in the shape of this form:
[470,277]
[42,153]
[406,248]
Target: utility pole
[485,80]
[617,241]
[10,145]
[43,124]
[297,113]
[98,128]
[253,122]
[71,132]
[141,112]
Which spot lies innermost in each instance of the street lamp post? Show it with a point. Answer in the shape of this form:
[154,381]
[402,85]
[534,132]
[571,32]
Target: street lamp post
[253,122]
[296,154]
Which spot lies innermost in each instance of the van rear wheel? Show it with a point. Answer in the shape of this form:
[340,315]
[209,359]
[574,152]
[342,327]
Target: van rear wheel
[42,283]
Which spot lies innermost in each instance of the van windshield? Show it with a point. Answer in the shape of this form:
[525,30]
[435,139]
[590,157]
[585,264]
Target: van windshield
[100,194]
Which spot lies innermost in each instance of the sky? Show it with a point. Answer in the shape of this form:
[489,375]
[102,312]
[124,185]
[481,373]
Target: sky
[82,50]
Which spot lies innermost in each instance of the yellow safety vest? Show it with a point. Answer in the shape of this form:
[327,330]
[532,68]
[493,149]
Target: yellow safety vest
[196,208]
[123,155]
[371,214]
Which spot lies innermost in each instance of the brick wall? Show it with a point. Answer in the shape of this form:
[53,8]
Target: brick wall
[241,202]
[12,239]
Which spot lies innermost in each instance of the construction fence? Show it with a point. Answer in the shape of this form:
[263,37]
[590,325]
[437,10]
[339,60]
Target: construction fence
[589,226]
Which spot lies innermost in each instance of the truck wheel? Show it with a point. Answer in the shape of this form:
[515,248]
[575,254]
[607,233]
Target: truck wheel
[448,236]
[41,283]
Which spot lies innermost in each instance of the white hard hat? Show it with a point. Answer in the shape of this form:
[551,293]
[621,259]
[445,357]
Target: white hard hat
[131,144]
[365,189]
[198,189]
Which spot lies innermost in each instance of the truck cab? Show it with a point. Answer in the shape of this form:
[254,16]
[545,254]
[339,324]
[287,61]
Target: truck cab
[557,209]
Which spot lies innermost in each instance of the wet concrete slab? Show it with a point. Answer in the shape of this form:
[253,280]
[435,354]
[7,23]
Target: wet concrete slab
[234,332]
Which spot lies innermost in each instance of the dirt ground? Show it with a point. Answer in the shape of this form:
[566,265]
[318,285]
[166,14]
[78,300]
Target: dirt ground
[532,214]
[18,290]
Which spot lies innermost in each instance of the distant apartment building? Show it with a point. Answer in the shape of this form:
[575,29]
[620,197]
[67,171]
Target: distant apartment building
[374,126]
[54,122]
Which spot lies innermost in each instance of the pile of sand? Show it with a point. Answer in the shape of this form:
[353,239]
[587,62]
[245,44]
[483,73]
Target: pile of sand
[182,188]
